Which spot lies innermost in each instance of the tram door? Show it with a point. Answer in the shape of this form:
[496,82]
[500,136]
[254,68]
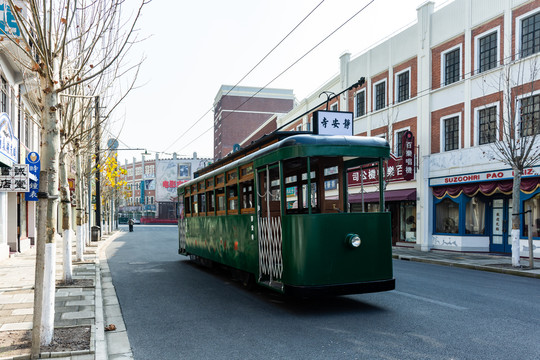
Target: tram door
[501,239]
[269,222]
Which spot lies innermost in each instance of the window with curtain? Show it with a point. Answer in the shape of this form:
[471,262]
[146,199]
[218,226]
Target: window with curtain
[447,217]
[475,216]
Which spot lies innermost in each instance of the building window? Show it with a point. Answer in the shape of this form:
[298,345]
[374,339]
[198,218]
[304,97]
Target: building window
[530,35]
[534,205]
[447,217]
[530,115]
[487,52]
[334,107]
[451,66]
[403,86]
[451,133]
[380,95]
[399,142]
[361,103]
[487,125]
[4,100]
[475,216]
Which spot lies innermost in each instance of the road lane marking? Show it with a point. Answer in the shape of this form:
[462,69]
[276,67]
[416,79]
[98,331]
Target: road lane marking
[437,302]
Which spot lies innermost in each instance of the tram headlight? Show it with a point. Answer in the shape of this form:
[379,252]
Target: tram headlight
[353,240]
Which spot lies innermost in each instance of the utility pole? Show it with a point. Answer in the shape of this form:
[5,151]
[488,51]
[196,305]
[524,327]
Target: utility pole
[98,185]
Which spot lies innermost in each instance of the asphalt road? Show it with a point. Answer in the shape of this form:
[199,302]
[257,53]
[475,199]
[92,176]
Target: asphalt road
[174,309]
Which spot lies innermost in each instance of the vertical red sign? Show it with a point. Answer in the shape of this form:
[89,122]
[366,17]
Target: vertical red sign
[407,143]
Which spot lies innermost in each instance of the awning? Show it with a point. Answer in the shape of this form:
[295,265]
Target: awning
[390,195]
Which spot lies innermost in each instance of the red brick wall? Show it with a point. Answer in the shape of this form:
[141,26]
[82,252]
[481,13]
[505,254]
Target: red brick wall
[481,29]
[436,125]
[436,59]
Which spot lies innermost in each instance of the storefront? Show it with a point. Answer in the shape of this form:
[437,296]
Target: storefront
[473,212]
[400,196]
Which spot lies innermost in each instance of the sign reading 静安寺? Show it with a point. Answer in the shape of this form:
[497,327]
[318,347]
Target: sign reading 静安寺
[333,123]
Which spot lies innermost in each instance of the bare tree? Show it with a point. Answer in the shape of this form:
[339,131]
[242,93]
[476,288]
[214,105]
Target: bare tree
[515,141]
[62,43]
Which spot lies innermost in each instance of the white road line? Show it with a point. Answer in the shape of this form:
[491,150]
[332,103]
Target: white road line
[451,306]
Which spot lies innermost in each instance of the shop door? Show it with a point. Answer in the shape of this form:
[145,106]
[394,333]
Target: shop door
[500,240]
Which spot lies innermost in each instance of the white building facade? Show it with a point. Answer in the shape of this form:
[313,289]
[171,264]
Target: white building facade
[442,80]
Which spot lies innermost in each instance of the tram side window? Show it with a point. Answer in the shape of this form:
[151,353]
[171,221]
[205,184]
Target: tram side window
[211,201]
[220,197]
[202,202]
[246,188]
[194,204]
[269,188]
[187,204]
[296,186]
[232,199]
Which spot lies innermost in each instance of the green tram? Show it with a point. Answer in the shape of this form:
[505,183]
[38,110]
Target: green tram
[258,212]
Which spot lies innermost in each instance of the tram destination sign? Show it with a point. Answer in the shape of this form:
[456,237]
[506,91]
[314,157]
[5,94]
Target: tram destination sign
[333,123]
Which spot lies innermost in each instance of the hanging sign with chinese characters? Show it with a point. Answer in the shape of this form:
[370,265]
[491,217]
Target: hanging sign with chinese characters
[14,179]
[333,123]
[34,166]
[407,143]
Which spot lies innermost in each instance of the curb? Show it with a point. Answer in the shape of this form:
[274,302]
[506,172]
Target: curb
[467,266]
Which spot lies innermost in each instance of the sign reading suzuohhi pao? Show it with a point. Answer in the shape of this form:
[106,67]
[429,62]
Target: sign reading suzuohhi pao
[333,123]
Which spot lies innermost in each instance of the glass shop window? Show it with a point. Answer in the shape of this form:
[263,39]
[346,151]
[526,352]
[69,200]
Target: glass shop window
[534,204]
[447,217]
[475,216]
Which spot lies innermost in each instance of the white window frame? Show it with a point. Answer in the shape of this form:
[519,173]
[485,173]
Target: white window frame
[518,107]
[395,137]
[334,106]
[365,103]
[443,132]
[396,86]
[517,31]
[375,95]
[477,121]
[443,63]
[477,38]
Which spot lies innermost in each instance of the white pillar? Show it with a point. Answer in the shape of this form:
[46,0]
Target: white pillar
[4,248]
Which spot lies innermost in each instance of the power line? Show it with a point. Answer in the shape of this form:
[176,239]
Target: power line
[249,72]
[290,66]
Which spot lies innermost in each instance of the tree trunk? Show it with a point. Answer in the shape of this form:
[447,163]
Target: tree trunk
[43,326]
[80,206]
[66,218]
[515,217]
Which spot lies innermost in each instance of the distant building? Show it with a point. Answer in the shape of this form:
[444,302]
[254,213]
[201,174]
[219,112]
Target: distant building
[238,111]
[150,193]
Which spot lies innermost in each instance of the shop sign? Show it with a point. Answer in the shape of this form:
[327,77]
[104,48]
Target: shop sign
[9,144]
[34,166]
[483,176]
[333,123]
[8,25]
[369,174]
[408,155]
[14,179]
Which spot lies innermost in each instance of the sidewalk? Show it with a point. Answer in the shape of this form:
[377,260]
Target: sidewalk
[477,261]
[92,302]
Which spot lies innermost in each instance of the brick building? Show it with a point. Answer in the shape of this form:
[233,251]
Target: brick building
[239,110]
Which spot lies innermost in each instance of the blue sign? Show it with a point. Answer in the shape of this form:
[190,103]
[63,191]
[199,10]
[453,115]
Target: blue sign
[8,25]
[34,166]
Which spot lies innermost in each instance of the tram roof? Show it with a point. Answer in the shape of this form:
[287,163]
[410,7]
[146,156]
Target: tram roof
[298,144]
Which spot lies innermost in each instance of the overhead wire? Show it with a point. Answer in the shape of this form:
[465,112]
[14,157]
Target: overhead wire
[289,67]
[247,74]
